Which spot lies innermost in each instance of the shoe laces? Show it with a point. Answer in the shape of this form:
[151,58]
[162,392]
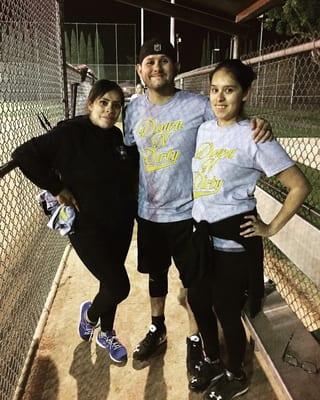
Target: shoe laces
[112,341]
[195,346]
[88,329]
[200,365]
[195,349]
[150,336]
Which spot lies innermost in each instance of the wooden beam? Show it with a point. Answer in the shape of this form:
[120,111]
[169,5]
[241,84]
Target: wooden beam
[192,16]
[257,8]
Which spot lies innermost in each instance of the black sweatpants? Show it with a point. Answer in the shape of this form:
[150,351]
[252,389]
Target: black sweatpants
[104,252]
[222,296]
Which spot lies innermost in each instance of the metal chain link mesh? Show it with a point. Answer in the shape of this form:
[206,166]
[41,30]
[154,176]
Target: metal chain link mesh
[284,45]
[82,91]
[108,49]
[31,82]
[287,93]
[300,293]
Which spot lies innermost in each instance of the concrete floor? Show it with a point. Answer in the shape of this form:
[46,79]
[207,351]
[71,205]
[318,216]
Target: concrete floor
[66,368]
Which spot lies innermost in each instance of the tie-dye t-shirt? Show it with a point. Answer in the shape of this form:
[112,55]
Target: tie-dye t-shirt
[226,167]
[166,138]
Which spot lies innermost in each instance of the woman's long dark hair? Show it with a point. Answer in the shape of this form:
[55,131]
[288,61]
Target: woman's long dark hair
[242,73]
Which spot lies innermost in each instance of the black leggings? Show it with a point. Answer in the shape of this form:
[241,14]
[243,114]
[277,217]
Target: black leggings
[222,296]
[104,253]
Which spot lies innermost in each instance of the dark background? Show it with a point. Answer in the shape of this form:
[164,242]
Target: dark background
[191,47]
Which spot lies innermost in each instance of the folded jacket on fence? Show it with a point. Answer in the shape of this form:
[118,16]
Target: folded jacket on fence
[47,201]
[62,217]
[62,220]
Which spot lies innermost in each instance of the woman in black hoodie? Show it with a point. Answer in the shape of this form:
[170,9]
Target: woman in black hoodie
[84,163]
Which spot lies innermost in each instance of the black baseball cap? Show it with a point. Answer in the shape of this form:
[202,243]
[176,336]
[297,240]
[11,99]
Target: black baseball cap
[157,46]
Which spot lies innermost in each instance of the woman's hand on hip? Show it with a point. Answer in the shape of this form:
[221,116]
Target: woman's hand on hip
[255,227]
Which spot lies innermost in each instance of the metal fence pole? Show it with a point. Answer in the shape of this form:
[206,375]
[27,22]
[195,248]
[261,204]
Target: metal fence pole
[293,82]
[63,57]
[117,64]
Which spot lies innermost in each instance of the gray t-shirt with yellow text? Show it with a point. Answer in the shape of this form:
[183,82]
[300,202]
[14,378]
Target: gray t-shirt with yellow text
[166,138]
[226,167]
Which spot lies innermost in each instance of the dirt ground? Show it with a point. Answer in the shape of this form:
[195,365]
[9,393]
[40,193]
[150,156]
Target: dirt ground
[66,368]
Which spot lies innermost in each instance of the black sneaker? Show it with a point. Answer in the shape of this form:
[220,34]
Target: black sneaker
[150,344]
[194,353]
[206,373]
[227,388]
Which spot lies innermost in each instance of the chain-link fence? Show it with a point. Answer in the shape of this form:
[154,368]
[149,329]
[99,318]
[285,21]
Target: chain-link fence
[287,93]
[108,49]
[79,83]
[31,83]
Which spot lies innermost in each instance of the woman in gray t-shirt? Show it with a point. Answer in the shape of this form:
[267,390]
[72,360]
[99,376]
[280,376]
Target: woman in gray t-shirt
[226,167]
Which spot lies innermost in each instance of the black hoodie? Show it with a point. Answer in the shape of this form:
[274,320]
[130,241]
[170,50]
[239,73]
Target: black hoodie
[92,163]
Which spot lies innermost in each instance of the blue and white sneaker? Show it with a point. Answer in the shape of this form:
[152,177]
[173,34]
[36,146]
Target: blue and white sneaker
[85,329]
[109,341]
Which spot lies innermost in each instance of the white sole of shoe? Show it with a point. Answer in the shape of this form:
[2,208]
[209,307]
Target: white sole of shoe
[240,393]
[118,361]
[216,378]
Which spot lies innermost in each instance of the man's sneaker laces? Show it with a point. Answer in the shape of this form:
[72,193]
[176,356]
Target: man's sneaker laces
[153,339]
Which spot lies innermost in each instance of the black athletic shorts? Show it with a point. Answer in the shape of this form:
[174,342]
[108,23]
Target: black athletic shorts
[160,242]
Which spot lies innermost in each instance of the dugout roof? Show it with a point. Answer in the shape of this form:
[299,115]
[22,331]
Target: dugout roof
[225,16]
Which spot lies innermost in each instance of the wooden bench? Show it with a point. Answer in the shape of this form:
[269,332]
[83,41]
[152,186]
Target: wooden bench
[271,331]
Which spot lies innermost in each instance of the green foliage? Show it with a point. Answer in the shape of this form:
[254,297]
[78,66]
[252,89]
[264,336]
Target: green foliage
[208,48]
[67,46]
[90,51]
[203,61]
[82,49]
[73,48]
[206,51]
[295,17]
[100,49]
